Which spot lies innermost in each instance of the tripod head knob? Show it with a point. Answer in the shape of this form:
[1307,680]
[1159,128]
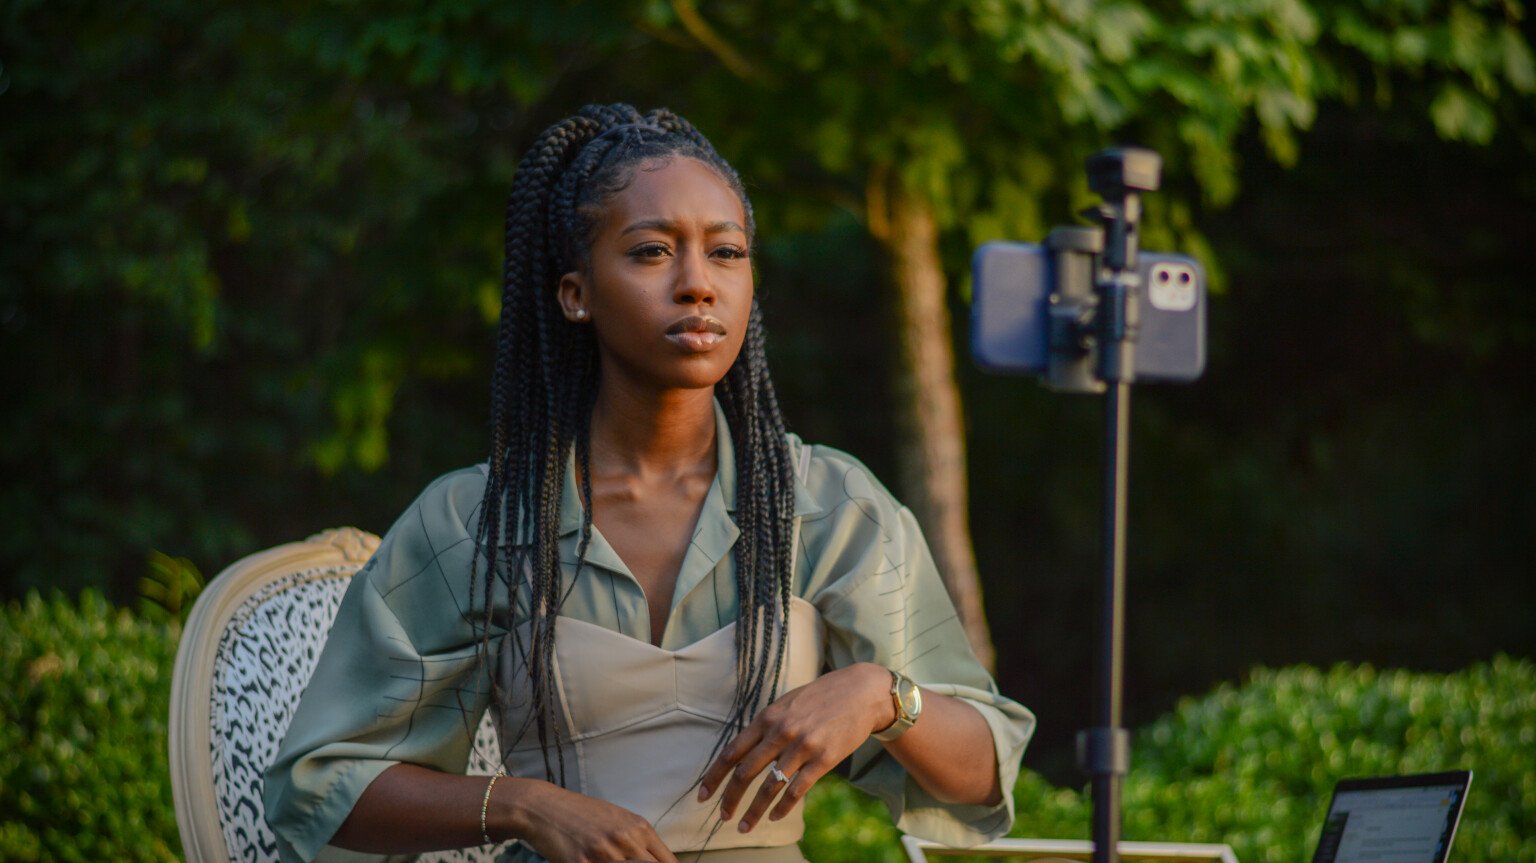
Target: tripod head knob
[1114,172]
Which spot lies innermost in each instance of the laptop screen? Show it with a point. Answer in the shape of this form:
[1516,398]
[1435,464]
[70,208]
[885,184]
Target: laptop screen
[1394,819]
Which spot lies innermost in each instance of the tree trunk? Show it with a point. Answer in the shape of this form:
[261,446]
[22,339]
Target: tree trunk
[931,448]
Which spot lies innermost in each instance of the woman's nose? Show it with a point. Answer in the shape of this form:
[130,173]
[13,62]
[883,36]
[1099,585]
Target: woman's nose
[693,287]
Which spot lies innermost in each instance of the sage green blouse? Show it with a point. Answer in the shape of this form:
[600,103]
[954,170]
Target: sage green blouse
[400,678]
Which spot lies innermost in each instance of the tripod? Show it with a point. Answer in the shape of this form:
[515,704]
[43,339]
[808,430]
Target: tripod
[1094,313]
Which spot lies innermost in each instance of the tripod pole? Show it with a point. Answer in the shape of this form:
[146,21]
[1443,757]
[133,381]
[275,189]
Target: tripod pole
[1108,755]
[1120,175]
[1108,747]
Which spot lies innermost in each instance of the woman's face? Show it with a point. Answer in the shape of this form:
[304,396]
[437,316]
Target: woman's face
[669,282]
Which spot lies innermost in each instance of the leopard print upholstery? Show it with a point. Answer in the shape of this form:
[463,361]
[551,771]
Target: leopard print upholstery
[264,660]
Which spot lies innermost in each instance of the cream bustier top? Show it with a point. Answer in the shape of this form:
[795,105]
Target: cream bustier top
[641,723]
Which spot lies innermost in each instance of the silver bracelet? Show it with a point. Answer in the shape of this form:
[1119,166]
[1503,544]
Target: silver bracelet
[485,805]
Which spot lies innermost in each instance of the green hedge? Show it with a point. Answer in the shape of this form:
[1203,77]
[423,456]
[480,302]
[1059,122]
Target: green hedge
[84,689]
[84,694]
[1254,765]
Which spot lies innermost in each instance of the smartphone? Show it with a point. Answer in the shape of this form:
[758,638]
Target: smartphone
[1011,310]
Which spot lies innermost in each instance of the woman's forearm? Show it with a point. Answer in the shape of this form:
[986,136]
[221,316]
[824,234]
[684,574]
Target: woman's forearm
[409,809]
[949,751]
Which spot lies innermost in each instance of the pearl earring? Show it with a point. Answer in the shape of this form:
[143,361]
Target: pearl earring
[581,314]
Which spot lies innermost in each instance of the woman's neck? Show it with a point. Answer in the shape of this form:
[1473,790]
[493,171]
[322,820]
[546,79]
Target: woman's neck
[650,433]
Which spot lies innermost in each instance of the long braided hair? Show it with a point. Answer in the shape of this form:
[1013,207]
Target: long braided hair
[544,386]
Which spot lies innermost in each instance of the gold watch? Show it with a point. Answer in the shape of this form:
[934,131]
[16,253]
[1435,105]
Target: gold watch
[909,705]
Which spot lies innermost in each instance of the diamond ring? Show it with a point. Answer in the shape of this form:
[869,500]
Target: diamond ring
[776,774]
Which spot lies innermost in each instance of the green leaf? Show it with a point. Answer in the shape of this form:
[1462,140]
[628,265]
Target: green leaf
[1462,116]
[169,587]
[1519,65]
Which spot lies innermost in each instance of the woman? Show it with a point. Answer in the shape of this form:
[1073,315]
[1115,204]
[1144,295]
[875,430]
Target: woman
[682,615]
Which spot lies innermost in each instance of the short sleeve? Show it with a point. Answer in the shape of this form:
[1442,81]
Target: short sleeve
[400,679]
[883,602]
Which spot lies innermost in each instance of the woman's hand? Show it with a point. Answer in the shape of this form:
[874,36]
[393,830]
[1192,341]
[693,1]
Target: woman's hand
[566,827]
[807,732]
[409,809]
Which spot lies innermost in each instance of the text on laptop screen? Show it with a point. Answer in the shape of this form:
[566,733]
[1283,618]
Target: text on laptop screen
[1389,825]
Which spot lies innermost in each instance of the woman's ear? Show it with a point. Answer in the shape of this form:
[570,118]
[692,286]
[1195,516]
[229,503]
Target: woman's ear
[573,297]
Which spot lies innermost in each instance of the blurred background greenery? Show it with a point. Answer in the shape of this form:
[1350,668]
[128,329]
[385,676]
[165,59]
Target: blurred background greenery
[249,274]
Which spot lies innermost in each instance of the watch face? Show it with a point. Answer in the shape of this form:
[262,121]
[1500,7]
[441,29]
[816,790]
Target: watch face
[909,703]
[911,699]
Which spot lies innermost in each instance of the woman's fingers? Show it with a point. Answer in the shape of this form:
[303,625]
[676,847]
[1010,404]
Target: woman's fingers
[726,760]
[637,842]
[747,769]
[797,781]
[567,827]
[659,852]
[765,796]
[799,786]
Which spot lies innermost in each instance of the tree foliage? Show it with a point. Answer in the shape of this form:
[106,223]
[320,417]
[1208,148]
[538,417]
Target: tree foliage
[235,236]
[987,108]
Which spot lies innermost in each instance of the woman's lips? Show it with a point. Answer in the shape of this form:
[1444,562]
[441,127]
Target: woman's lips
[695,342]
[696,333]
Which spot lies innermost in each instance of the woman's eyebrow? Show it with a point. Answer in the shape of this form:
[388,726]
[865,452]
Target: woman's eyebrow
[668,226]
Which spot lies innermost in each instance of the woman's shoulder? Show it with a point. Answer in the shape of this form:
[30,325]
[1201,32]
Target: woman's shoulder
[439,524]
[854,533]
[837,484]
[452,500]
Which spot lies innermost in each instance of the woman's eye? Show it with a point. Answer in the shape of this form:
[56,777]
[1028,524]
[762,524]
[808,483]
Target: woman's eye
[731,253]
[649,250]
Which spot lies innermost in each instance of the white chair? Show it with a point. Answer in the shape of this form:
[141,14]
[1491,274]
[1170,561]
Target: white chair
[918,850]
[246,654]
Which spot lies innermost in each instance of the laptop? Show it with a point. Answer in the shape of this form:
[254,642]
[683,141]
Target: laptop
[1393,819]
